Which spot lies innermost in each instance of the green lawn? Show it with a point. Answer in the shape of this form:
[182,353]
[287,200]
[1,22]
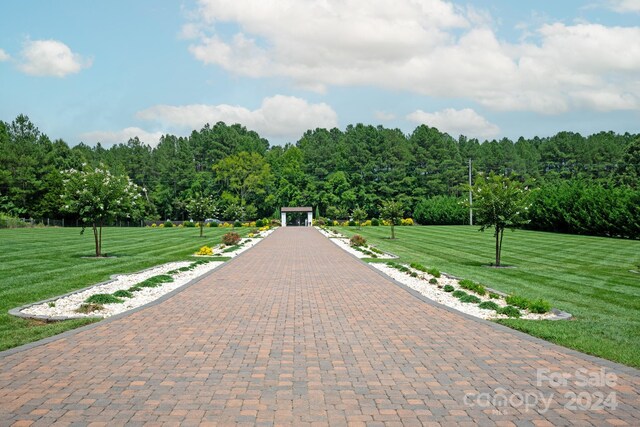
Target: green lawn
[586,276]
[39,263]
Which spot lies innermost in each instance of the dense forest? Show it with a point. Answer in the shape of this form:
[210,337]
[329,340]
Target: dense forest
[583,184]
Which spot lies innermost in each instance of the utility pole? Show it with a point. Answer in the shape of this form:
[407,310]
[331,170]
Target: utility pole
[470,197]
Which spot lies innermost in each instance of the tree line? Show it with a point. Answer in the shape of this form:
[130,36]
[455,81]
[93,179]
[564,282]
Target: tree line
[337,171]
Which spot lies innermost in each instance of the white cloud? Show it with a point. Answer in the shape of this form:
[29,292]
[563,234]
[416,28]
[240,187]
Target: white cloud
[431,47]
[457,122]
[624,6]
[121,136]
[278,116]
[51,58]
[4,56]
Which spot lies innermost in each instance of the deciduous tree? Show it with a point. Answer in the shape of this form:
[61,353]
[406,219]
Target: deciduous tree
[98,197]
[499,202]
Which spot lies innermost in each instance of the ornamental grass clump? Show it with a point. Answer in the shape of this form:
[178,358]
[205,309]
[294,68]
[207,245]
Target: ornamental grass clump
[103,299]
[510,311]
[89,308]
[155,281]
[489,305]
[123,294]
[472,286]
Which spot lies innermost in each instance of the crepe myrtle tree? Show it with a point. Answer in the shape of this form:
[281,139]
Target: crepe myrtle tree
[200,208]
[97,197]
[499,202]
[392,211]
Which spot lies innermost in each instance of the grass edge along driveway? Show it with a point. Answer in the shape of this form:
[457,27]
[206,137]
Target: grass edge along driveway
[40,263]
[586,276]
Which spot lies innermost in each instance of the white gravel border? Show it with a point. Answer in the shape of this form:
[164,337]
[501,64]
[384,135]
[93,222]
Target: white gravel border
[65,306]
[433,292]
[422,285]
[343,243]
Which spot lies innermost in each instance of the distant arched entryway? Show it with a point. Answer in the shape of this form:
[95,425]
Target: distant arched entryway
[300,221]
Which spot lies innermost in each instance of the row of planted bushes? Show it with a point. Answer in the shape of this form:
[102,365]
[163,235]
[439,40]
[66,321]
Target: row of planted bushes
[236,224]
[574,207]
[374,222]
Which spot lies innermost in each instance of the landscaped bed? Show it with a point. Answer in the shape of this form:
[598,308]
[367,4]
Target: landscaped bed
[41,263]
[129,291]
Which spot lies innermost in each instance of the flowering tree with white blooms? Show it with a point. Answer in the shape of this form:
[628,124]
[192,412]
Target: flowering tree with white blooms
[98,197]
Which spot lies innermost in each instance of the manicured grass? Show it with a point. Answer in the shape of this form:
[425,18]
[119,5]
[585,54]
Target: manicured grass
[587,276]
[40,263]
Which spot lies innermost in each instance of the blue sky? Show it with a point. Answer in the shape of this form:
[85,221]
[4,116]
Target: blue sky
[104,71]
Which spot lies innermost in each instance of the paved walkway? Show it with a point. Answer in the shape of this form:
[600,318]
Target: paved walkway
[297,332]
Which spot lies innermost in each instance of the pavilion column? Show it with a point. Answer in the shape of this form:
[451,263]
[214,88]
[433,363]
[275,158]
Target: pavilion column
[283,219]
[309,219]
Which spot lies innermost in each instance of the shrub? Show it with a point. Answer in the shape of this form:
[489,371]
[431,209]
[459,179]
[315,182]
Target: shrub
[352,223]
[190,224]
[375,222]
[167,224]
[433,281]
[414,274]
[489,305]
[357,240]
[237,224]
[212,224]
[434,272]
[459,294]
[406,221]
[367,223]
[517,301]
[154,225]
[259,223]
[135,288]
[510,311]
[470,299]
[122,294]
[441,210]
[205,250]
[419,267]
[103,299]
[448,288]
[472,286]
[493,295]
[539,306]
[231,239]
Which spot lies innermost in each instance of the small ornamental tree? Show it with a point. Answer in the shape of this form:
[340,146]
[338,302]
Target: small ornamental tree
[200,208]
[97,197]
[499,202]
[393,212]
[359,215]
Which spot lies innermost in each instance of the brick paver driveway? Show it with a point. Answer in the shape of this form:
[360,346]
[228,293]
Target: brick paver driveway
[295,331]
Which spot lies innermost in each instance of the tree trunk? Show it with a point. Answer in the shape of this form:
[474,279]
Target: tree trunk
[95,237]
[499,234]
[201,227]
[393,232]
[100,238]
